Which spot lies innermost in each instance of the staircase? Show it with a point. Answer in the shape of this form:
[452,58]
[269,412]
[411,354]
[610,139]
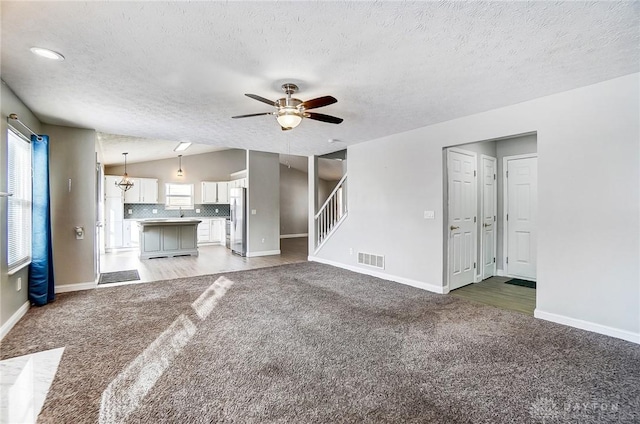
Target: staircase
[332,213]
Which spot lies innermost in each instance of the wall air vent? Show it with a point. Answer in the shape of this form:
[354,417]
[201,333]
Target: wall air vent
[371,260]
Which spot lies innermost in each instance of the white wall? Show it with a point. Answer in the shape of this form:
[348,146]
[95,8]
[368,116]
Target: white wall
[589,202]
[11,300]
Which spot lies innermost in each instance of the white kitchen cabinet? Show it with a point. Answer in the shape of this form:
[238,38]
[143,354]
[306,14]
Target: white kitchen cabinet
[204,231]
[212,231]
[110,187]
[217,234]
[113,234]
[223,192]
[130,233]
[215,192]
[144,190]
[239,183]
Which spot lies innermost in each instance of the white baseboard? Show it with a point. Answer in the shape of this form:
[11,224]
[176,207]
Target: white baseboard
[407,281]
[63,288]
[294,235]
[500,272]
[263,253]
[13,319]
[587,325]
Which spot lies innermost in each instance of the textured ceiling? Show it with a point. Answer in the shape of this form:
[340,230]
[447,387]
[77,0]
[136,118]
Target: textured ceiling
[178,70]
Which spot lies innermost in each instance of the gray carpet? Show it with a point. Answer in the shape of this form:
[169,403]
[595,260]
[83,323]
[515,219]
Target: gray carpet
[119,276]
[309,343]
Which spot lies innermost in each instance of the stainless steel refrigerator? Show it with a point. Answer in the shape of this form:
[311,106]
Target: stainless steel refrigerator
[238,203]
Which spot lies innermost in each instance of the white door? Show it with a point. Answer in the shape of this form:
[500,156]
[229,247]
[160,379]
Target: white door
[488,229]
[521,211]
[461,169]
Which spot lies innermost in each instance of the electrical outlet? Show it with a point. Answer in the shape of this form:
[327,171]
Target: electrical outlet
[351,250]
[216,210]
[197,210]
[19,284]
[429,214]
[154,210]
[253,211]
[129,211]
[263,240]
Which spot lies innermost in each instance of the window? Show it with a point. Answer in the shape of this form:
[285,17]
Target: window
[178,196]
[19,204]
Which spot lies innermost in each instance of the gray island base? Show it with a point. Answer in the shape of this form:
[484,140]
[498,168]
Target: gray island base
[166,238]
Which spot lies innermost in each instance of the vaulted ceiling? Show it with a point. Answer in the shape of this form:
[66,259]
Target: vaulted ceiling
[179,70]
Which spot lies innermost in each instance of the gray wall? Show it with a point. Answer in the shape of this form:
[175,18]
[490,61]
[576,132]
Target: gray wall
[294,204]
[214,166]
[10,299]
[264,197]
[72,157]
[402,175]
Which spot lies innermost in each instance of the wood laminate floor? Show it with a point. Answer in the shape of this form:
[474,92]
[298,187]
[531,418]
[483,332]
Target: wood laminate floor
[493,291]
[212,259]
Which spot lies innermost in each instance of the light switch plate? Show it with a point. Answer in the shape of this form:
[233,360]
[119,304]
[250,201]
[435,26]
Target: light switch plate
[429,214]
[197,210]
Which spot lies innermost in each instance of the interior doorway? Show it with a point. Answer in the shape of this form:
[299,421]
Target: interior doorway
[495,238]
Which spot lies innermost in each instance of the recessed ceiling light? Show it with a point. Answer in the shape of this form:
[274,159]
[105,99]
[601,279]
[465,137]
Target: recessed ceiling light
[184,145]
[49,54]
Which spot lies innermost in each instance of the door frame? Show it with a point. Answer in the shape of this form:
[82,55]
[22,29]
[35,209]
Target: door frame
[446,216]
[505,207]
[495,209]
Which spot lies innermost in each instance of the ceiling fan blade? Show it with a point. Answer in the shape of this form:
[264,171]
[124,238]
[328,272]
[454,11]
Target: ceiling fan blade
[319,102]
[252,114]
[324,118]
[261,99]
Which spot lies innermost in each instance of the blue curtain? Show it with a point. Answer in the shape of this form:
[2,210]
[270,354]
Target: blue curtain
[41,284]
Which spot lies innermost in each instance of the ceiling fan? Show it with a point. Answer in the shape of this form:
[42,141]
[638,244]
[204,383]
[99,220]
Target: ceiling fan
[290,111]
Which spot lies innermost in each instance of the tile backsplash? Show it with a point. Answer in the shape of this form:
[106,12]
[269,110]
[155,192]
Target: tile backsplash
[145,210]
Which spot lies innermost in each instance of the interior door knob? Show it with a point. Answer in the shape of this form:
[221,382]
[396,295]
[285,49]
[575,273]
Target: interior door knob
[453,227]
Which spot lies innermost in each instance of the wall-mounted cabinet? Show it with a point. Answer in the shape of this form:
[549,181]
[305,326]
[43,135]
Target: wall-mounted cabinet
[238,179]
[144,190]
[241,182]
[215,192]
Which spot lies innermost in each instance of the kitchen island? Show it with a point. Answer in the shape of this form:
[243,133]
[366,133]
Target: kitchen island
[169,237]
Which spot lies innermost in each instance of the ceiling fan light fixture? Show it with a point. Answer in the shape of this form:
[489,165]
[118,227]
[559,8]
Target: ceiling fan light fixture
[288,118]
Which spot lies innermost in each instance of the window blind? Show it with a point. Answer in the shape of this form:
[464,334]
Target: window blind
[19,204]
